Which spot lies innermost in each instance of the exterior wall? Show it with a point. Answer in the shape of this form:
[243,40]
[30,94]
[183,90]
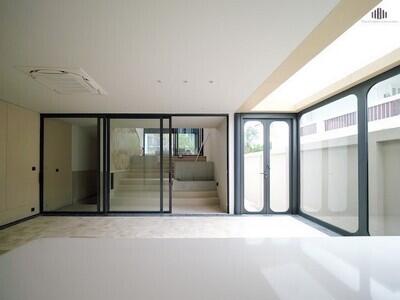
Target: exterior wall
[384,188]
[19,163]
[253,181]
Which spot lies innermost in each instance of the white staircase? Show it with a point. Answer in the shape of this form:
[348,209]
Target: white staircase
[139,189]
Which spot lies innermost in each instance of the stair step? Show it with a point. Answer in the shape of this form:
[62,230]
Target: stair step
[144,175]
[142,181]
[196,201]
[149,187]
[194,194]
[194,185]
[125,200]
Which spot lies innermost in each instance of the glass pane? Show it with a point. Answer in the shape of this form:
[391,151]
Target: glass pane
[187,141]
[329,162]
[135,164]
[279,166]
[70,162]
[253,166]
[384,157]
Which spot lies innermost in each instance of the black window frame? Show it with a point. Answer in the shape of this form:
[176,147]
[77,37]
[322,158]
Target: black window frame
[360,90]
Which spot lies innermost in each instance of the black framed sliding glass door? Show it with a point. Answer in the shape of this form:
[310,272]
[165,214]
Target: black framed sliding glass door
[139,164]
[265,165]
[71,164]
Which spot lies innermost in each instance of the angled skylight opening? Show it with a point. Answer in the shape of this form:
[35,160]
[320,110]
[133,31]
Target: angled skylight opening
[371,38]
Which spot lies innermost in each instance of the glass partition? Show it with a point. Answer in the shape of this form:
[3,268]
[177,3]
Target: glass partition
[384,157]
[135,158]
[329,163]
[71,165]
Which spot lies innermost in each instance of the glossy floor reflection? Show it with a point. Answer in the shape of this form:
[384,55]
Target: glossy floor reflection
[159,227]
[280,268]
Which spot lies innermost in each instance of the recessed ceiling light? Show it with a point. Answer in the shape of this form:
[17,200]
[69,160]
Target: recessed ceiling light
[211,81]
[185,81]
[158,81]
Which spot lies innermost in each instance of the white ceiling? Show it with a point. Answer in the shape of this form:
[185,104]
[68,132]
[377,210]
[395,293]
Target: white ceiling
[127,46]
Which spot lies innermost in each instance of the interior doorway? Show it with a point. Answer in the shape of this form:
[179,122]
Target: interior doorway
[200,164]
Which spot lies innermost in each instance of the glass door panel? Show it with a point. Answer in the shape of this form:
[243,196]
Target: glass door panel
[71,170]
[279,166]
[266,166]
[253,162]
[135,162]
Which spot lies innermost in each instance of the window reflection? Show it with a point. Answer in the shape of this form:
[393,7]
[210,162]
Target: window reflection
[328,158]
[384,159]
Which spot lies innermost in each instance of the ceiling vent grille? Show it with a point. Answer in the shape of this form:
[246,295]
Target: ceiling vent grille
[64,81]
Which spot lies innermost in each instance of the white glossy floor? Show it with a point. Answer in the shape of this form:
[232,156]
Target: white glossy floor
[280,268]
[158,227]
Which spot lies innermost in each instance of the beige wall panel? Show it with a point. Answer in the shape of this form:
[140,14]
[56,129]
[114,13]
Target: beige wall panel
[57,155]
[21,183]
[22,155]
[3,140]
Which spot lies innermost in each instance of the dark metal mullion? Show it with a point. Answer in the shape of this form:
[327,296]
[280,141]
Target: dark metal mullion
[161,166]
[227,163]
[170,165]
[240,159]
[238,164]
[295,174]
[98,165]
[266,152]
[362,162]
[106,165]
[41,164]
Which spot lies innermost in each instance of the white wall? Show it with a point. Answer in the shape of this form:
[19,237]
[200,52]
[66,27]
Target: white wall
[84,149]
[19,152]
[216,151]
[384,187]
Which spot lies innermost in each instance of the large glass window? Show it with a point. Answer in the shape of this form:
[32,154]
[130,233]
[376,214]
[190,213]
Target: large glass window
[152,142]
[329,163]
[384,157]
[188,141]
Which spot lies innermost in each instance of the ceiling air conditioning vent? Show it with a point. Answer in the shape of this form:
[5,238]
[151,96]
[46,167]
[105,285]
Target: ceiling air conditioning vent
[64,81]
